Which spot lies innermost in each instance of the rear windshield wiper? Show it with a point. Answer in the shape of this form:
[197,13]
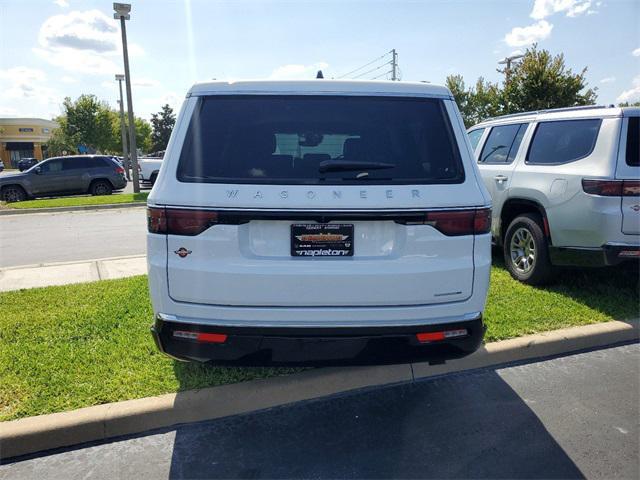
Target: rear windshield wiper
[346,165]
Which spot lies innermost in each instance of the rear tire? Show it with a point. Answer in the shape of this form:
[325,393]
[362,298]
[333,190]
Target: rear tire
[100,187]
[526,250]
[13,193]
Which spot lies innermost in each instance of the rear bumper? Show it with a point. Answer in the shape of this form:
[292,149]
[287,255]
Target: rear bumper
[608,254]
[262,346]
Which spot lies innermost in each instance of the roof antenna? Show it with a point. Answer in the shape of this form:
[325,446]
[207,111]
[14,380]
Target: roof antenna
[319,74]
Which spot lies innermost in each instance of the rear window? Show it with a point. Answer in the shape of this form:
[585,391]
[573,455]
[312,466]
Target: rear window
[633,142]
[563,141]
[319,140]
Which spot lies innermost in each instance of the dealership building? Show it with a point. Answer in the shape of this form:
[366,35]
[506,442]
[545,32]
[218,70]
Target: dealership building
[24,138]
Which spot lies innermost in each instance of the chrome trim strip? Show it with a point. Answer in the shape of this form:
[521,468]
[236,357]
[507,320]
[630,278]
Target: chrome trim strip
[315,324]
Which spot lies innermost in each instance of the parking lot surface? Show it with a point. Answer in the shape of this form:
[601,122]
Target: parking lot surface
[569,417]
[68,236]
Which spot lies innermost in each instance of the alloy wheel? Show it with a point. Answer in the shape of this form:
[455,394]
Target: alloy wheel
[522,251]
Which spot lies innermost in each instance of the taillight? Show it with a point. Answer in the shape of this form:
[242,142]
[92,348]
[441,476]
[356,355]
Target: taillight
[439,336]
[120,170]
[173,221]
[460,222]
[200,336]
[611,188]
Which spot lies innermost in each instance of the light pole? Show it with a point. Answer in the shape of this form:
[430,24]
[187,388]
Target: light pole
[122,12]
[123,131]
[507,70]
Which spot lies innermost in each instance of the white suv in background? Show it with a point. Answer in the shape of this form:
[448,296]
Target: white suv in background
[565,187]
[318,222]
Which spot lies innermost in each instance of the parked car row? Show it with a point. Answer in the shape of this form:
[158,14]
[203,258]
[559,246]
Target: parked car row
[71,175]
[565,187]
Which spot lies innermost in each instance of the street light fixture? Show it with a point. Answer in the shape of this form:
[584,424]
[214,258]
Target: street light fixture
[122,13]
[508,61]
[123,130]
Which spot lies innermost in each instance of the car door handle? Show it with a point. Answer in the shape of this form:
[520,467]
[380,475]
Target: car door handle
[500,178]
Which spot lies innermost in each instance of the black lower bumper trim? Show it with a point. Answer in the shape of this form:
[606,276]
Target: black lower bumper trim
[251,346]
[593,257]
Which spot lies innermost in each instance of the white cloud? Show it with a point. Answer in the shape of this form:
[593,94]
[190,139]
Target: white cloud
[26,88]
[145,82]
[571,8]
[62,3]
[636,52]
[631,95]
[87,42]
[608,80]
[523,36]
[68,79]
[297,71]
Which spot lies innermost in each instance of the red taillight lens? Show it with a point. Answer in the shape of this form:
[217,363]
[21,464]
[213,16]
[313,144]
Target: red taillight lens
[460,222]
[611,188]
[173,221]
[605,188]
[631,188]
[156,220]
[201,337]
[438,336]
[120,170]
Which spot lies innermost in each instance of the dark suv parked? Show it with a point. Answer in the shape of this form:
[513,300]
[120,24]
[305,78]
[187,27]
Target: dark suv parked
[94,174]
[26,163]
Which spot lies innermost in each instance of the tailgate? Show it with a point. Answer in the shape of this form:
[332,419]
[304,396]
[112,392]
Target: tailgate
[251,264]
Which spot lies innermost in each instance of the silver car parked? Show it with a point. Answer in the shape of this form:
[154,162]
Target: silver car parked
[565,187]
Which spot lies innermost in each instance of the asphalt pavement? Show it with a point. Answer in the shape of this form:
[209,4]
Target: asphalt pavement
[69,236]
[569,417]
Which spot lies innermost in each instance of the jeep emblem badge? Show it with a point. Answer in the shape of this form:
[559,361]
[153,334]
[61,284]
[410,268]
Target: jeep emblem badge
[182,252]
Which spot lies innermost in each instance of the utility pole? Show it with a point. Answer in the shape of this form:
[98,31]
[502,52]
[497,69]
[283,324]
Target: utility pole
[123,131]
[507,70]
[122,13]
[394,65]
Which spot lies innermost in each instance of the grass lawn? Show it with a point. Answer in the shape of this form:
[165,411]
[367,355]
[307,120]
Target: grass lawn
[74,346]
[80,201]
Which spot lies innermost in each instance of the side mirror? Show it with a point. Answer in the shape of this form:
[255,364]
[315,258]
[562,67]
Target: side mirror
[37,170]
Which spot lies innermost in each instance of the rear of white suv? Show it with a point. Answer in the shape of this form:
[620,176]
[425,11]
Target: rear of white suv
[318,222]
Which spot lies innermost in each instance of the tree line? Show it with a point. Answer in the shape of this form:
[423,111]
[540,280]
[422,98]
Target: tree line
[90,125]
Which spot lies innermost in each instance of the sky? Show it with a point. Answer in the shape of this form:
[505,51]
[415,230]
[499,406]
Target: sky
[51,49]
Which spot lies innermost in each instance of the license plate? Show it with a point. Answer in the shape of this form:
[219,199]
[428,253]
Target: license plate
[321,240]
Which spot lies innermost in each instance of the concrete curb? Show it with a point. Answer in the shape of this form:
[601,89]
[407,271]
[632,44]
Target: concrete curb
[28,211]
[64,273]
[44,432]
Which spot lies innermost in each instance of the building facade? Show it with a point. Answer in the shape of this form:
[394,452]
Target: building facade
[24,138]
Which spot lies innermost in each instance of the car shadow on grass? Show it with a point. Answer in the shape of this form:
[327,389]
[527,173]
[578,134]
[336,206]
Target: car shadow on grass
[614,291]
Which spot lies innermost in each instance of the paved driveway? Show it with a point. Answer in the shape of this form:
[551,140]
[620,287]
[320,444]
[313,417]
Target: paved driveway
[570,417]
[68,236]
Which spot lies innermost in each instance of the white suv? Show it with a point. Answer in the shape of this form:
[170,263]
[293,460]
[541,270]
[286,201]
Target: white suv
[318,222]
[565,187]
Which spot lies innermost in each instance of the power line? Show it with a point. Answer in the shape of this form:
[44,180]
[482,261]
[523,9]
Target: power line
[372,70]
[366,64]
[382,74]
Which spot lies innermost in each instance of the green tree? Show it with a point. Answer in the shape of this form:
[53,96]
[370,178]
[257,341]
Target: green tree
[163,123]
[143,133]
[542,81]
[58,143]
[476,103]
[87,122]
[627,104]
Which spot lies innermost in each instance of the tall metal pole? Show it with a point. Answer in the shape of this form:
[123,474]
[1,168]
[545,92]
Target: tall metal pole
[132,125]
[394,65]
[123,131]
